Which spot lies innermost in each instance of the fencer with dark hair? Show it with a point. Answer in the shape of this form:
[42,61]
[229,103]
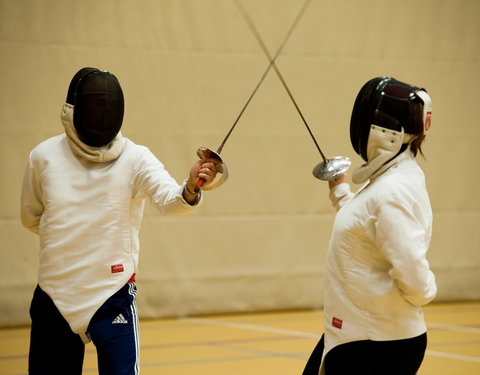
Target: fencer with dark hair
[83,193]
[377,276]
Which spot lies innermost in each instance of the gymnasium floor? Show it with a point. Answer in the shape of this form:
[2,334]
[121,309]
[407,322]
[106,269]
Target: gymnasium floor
[264,344]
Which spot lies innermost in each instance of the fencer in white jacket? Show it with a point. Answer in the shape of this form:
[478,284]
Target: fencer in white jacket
[84,193]
[377,275]
[86,208]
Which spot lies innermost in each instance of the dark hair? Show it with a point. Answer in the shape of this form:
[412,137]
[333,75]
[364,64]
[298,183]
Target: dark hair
[414,125]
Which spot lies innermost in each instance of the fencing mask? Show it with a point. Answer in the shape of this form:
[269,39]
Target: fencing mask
[98,106]
[384,122]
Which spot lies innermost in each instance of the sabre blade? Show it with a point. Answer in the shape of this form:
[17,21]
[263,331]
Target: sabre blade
[201,181]
[328,169]
[271,63]
[260,41]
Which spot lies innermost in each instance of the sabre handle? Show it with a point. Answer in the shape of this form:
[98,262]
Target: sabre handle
[222,176]
[221,167]
[199,184]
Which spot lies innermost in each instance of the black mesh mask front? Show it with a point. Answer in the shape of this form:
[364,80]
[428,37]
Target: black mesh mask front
[98,106]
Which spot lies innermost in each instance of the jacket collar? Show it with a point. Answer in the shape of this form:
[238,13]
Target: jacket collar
[95,154]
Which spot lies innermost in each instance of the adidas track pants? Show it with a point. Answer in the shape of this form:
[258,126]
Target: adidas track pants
[55,349]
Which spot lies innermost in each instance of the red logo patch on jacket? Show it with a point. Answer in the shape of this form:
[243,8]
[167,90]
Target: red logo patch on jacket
[116,268]
[337,323]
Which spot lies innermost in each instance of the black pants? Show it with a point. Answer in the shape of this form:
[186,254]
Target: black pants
[398,357]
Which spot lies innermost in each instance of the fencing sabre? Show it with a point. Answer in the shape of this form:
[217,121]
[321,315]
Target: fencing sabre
[328,169]
[204,152]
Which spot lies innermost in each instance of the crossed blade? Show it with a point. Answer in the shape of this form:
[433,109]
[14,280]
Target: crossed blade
[328,169]
[271,63]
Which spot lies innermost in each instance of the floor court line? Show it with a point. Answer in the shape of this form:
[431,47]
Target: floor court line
[278,331]
[453,356]
[214,344]
[451,327]
[302,334]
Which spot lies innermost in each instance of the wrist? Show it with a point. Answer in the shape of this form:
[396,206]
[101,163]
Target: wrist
[191,197]
[190,192]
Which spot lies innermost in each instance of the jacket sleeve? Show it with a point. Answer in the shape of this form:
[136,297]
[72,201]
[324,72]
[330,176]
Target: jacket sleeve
[402,233]
[152,179]
[31,205]
[340,194]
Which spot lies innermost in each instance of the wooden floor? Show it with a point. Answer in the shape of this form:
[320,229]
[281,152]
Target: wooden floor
[263,344]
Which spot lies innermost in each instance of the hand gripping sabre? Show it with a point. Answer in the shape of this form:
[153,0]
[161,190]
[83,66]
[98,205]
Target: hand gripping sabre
[328,169]
[204,152]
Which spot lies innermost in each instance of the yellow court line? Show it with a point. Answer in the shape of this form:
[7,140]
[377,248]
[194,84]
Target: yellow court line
[452,327]
[453,356]
[310,335]
[256,343]
[252,327]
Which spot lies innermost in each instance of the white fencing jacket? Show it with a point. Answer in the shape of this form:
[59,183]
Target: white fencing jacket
[377,275]
[87,212]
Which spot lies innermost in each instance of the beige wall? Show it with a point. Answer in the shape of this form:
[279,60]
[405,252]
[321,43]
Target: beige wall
[187,68]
